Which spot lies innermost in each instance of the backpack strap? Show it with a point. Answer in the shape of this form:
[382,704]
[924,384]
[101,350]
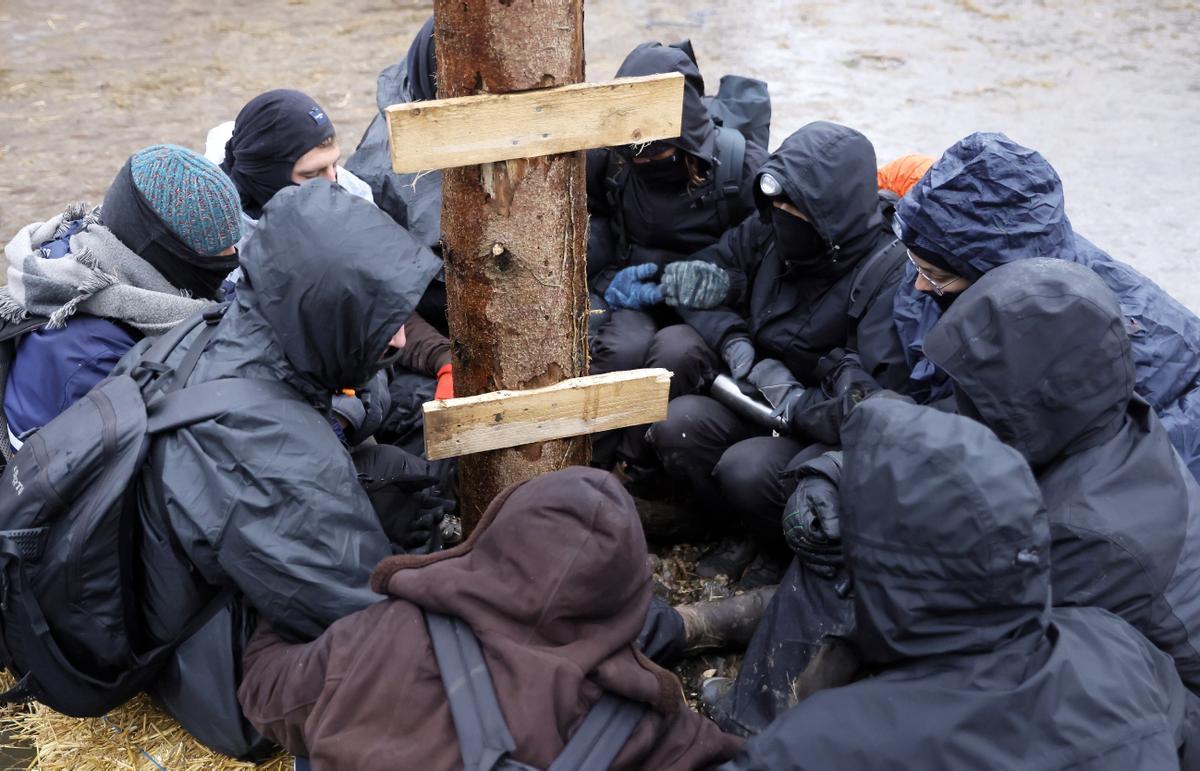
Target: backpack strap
[203,401]
[871,277]
[731,155]
[604,731]
[483,736]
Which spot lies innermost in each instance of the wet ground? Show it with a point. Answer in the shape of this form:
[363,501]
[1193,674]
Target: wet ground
[1108,90]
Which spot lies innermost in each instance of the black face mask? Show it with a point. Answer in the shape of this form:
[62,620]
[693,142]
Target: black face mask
[944,300]
[798,242]
[666,172]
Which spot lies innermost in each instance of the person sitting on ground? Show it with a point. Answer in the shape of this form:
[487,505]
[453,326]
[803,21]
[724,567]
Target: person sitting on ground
[949,548]
[810,278]
[280,138]
[283,138]
[652,204]
[268,500]
[1038,351]
[989,201]
[555,618]
[897,177]
[154,253]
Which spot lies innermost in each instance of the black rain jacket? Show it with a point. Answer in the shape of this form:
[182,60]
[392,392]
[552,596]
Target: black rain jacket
[632,222]
[949,543]
[414,200]
[829,172]
[1038,350]
[268,501]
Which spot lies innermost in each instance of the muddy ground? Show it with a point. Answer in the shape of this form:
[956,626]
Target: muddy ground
[1109,90]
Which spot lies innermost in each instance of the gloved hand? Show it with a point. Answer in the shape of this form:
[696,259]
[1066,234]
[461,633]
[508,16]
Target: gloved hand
[445,383]
[842,376]
[402,489]
[738,354]
[629,288]
[694,284]
[812,516]
[774,381]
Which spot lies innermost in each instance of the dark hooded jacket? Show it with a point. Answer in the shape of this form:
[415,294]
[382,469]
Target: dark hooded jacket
[1038,351]
[555,615]
[828,171]
[949,544]
[268,501]
[633,222]
[413,200]
[989,201]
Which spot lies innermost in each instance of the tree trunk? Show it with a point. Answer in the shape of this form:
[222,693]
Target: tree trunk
[515,240]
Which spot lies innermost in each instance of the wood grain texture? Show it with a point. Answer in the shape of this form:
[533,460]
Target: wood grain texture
[574,407]
[487,128]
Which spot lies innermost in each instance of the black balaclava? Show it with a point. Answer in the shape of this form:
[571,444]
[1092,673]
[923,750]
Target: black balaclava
[669,172]
[271,132]
[422,65]
[128,215]
[800,245]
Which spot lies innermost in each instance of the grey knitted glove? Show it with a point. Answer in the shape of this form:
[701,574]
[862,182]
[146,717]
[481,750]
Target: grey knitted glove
[694,284]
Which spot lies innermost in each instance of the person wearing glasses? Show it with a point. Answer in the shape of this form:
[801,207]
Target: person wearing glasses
[988,202]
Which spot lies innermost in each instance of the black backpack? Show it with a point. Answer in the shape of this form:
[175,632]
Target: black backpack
[71,630]
[483,736]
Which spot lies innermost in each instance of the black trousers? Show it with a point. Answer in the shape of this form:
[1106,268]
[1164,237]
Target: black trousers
[731,467]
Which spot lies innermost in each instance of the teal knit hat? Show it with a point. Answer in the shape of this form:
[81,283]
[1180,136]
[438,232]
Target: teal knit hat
[191,195]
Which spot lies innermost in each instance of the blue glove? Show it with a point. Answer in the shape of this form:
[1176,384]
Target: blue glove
[738,354]
[694,284]
[630,290]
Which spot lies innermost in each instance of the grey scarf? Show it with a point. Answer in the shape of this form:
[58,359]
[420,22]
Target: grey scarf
[99,276]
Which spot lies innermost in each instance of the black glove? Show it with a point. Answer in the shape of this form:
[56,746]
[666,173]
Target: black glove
[843,376]
[738,354]
[774,381]
[812,516]
[403,491]
[844,383]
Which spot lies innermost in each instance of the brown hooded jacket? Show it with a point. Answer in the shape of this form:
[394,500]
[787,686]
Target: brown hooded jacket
[554,582]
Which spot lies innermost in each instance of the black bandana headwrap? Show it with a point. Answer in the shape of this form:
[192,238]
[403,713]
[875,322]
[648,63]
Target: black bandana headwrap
[271,132]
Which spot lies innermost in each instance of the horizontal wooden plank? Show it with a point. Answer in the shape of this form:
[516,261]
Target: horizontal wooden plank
[582,405]
[498,127]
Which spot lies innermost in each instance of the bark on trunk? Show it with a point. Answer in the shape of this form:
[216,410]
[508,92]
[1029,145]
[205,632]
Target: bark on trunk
[515,232]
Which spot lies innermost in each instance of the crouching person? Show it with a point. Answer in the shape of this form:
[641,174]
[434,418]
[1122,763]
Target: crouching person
[555,618]
[84,287]
[949,547]
[267,500]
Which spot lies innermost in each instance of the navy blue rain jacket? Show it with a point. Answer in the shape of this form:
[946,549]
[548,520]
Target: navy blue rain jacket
[987,202]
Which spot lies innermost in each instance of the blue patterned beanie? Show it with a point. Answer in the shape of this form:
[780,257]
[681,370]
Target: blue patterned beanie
[191,195]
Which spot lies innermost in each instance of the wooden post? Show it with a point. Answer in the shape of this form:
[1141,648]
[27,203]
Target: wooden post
[514,232]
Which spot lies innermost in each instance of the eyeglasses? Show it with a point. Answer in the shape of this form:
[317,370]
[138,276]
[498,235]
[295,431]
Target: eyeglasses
[938,289]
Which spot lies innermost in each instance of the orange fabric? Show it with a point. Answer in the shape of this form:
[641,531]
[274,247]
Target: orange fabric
[445,384]
[901,174]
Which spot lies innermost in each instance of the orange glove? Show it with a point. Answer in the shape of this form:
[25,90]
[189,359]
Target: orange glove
[445,384]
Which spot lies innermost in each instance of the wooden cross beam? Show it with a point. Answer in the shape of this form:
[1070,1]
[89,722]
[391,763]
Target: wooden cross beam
[582,405]
[487,128]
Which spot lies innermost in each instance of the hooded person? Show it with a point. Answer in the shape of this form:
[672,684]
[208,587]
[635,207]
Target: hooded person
[555,618]
[987,202]
[268,500]
[654,204]
[809,278]
[84,287]
[280,138]
[413,200]
[949,547]
[1038,351]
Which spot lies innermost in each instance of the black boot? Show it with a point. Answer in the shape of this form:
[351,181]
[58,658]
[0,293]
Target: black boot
[723,624]
[765,570]
[728,558]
